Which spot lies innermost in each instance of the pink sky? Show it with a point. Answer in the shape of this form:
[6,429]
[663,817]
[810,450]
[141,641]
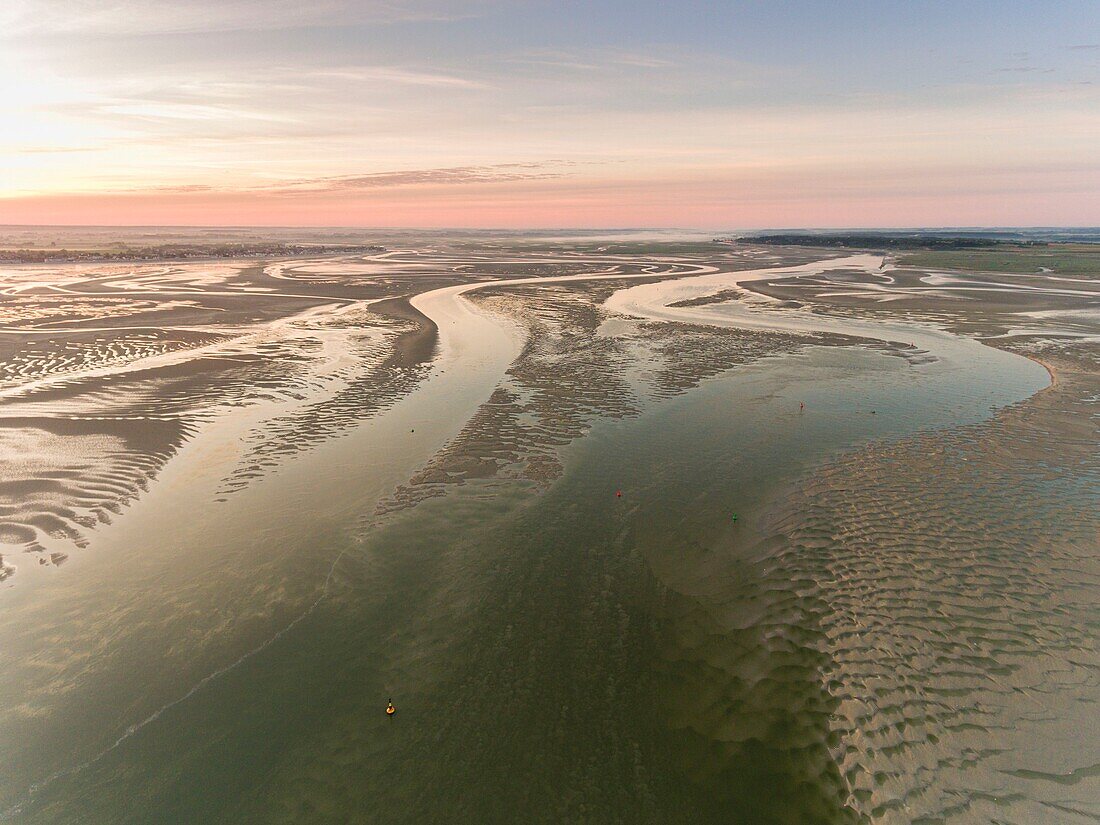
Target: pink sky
[526,113]
[905,197]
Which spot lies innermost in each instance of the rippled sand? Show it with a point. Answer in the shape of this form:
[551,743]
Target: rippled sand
[155,353]
[107,371]
[913,633]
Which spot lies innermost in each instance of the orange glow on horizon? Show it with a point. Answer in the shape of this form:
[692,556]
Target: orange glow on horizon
[554,205]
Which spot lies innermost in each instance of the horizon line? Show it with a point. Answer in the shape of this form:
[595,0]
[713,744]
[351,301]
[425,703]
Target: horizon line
[563,228]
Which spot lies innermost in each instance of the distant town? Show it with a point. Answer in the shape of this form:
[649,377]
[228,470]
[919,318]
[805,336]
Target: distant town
[878,240]
[174,252]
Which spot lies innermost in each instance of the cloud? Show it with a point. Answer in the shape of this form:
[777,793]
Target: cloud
[395,75]
[343,184]
[590,60]
[182,189]
[642,61]
[496,173]
[255,102]
[53,150]
[132,17]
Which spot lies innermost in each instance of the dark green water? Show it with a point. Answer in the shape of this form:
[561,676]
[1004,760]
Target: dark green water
[566,656]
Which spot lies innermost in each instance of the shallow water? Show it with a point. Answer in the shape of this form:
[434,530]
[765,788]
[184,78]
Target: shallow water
[383,605]
[556,652]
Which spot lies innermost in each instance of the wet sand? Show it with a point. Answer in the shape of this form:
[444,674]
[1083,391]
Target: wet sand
[405,470]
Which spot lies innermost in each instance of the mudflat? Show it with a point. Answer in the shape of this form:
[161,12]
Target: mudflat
[638,529]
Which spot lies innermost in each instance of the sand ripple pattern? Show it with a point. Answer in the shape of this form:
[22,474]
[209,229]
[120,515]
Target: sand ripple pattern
[949,583]
[106,371]
[59,479]
[75,453]
[567,376]
[687,354]
[379,370]
[564,379]
[73,353]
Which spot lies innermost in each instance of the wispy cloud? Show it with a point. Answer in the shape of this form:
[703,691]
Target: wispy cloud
[259,102]
[397,75]
[132,17]
[643,61]
[591,60]
[341,184]
[497,173]
[53,150]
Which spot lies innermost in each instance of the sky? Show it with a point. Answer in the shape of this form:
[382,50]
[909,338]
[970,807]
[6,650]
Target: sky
[563,113]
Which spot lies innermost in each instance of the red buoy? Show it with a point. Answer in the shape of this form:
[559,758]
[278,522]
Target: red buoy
[618,494]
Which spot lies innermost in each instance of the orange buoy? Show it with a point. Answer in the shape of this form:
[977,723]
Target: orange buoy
[390,709]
